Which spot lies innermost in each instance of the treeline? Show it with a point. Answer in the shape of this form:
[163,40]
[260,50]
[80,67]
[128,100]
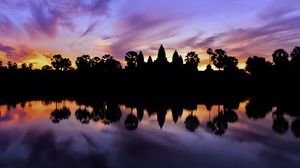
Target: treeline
[255,65]
[105,75]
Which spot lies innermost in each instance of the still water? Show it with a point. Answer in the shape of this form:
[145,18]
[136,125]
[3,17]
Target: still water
[71,133]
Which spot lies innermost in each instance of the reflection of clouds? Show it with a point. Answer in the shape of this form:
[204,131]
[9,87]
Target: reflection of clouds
[44,150]
[276,151]
[5,141]
[10,115]
[278,159]
[70,144]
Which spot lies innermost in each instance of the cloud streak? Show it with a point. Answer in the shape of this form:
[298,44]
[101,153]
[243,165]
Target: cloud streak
[8,50]
[242,28]
[45,18]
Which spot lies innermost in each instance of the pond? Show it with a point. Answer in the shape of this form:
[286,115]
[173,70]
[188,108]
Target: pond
[74,133]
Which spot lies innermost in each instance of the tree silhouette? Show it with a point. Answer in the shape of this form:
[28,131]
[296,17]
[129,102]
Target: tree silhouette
[59,63]
[210,53]
[192,60]
[24,66]
[295,55]
[12,65]
[280,58]
[218,57]
[47,68]
[30,65]
[131,59]
[110,64]
[83,63]
[56,62]
[97,64]
[257,66]
[230,64]
[161,56]
[295,59]
[66,64]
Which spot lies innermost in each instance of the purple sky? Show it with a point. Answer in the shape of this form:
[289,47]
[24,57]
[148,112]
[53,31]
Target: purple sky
[34,30]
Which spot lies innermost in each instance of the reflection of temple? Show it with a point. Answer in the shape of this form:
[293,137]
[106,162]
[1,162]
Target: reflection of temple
[108,112]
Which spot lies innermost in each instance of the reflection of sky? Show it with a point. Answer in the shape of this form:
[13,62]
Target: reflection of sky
[33,30]
[40,143]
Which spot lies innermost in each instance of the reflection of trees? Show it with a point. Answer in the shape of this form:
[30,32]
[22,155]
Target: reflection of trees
[131,121]
[105,112]
[280,125]
[113,112]
[219,124]
[258,108]
[97,113]
[296,127]
[191,122]
[210,124]
[83,115]
[60,114]
[230,115]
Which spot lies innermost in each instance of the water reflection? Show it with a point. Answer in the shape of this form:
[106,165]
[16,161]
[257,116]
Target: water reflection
[296,127]
[58,114]
[217,121]
[95,126]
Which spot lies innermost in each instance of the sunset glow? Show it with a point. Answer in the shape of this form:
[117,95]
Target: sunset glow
[34,30]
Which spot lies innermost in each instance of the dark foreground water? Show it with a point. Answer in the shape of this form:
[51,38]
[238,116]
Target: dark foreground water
[71,134]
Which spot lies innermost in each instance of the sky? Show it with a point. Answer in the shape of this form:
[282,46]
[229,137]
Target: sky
[32,31]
